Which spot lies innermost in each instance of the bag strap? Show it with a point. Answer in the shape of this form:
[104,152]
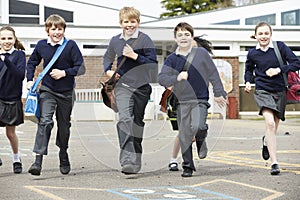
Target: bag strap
[4,68]
[189,60]
[124,59]
[49,65]
[187,64]
[278,55]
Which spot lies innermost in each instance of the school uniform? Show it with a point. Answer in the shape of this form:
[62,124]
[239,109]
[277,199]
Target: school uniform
[56,96]
[11,85]
[193,97]
[270,92]
[132,94]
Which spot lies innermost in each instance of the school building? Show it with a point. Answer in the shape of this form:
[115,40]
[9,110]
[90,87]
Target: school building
[92,26]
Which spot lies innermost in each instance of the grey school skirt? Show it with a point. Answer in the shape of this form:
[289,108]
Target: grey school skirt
[276,101]
[11,113]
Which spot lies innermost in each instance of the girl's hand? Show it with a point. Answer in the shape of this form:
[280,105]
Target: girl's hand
[273,71]
[248,87]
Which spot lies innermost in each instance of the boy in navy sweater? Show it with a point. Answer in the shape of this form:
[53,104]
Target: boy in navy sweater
[270,90]
[56,91]
[133,89]
[191,89]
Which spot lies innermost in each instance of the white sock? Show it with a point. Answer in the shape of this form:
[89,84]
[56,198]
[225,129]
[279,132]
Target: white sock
[174,160]
[274,163]
[265,143]
[16,157]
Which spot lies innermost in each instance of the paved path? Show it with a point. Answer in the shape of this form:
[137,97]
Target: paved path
[233,169]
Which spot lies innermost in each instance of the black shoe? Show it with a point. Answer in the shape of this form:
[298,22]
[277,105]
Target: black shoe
[17,167]
[275,169]
[128,169]
[64,169]
[64,165]
[203,150]
[187,172]
[0,162]
[173,166]
[35,169]
[265,151]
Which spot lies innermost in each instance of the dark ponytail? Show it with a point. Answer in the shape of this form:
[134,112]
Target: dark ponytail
[204,43]
[19,45]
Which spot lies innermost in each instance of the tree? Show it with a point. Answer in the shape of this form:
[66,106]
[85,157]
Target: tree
[184,7]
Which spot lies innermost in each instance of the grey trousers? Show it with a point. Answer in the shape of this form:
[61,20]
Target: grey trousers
[50,103]
[191,118]
[131,104]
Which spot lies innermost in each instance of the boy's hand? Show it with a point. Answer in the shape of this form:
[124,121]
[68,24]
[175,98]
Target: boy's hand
[170,88]
[182,76]
[57,74]
[128,52]
[29,84]
[109,73]
[248,87]
[221,101]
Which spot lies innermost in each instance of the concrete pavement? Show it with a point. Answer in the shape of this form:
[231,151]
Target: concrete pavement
[233,168]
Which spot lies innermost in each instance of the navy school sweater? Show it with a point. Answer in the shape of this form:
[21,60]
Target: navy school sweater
[259,61]
[202,71]
[134,73]
[70,60]
[11,84]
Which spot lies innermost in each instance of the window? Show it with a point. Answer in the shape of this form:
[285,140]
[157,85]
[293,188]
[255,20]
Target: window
[233,22]
[23,12]
[221,47]
[24,20]
[266,18]
[290,18]
[94,46]
[23,8]
[67,15]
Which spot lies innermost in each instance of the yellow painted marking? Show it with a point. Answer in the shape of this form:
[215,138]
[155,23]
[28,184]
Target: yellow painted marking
[275,194]
[230,157]
[46,194]
[70,188]
[54,197]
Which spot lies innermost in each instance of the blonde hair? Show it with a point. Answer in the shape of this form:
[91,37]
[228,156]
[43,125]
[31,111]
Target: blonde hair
[55,20]
[18,45]
[129,13]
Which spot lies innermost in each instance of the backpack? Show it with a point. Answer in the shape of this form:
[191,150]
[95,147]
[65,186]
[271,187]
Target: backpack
[293,91]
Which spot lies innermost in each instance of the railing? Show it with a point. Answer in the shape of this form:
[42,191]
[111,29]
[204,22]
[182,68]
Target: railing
[153,107]
[88,95]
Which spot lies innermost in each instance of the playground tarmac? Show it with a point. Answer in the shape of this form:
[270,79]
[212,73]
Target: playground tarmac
[233,169]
